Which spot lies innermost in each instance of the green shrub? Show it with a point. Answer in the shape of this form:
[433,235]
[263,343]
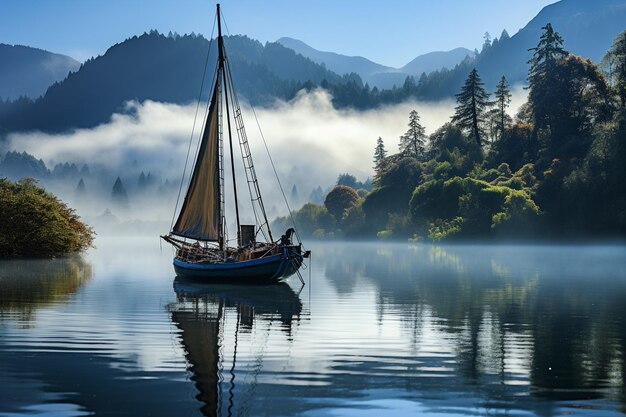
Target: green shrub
[444,229]
[311,220]
[36,224]
[518,217]
[353,221]
[339,199]
[466,207]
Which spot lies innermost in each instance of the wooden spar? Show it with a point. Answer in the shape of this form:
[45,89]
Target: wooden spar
[220,43]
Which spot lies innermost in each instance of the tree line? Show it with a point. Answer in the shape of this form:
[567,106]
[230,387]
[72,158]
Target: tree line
[556,170]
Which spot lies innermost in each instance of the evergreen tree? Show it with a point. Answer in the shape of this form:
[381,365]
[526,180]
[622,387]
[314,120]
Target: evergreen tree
[81,190]
[615,60]
[503,99]
[348,180]
[149,180]
[542,76]
[579,97]
[567,94]
[19,165]
[84,171]
[317,195]
[547,52]
[380,155]
[413,142]
[472,101]
[294,195]
[118,194]
[141,181]
[486,41]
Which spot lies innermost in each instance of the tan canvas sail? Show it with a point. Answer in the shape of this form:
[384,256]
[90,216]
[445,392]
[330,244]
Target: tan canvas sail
[200,215]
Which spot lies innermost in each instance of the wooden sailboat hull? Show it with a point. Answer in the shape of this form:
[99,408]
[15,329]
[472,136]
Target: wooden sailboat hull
[264,270]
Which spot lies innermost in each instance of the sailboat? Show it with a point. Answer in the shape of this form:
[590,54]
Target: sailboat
[199,234]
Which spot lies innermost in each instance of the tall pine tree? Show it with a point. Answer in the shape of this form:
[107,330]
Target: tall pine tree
[295,199]
[118,194]
[80,190]
[615,61]
[503,99]
[380,155]
[413,142]
[542,75]
[473,102]
[141,181]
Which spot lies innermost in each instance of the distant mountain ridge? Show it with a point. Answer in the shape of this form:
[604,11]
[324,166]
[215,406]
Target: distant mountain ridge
[26,71]
[168,69]
[587,27]
[341,64]
[375,74]
[433,61]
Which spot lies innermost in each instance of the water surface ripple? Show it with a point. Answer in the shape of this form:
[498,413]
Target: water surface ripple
[382,329]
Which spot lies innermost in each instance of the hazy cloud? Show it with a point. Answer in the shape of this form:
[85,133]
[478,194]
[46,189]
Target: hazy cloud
[310,141]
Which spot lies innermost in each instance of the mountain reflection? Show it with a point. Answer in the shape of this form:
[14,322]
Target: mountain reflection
[212,320]
[552,319]
[26,285]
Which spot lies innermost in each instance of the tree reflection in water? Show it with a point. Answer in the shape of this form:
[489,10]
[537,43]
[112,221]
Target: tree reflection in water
[513,312]
[26,285]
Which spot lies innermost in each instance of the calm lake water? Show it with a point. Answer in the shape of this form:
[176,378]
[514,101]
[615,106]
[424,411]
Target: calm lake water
[383,329]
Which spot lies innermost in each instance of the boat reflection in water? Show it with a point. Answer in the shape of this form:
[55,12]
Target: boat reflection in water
[224,330]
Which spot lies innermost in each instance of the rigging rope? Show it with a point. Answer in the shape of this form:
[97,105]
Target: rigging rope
[252,183]
[206,64]
[280,185]
[251,177]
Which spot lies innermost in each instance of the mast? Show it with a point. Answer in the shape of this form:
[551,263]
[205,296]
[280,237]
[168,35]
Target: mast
[221,68]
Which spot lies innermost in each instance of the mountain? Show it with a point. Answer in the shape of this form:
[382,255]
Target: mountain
[26,71]
[588,29]
[423,64]
[433,61]
[162,68]
[341,64]
[375,74]
[169,68]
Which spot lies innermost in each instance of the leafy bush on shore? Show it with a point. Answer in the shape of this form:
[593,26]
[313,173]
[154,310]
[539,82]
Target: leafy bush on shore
[36,224]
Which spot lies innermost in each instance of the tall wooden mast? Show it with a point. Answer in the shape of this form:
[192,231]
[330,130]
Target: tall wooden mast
[222,72]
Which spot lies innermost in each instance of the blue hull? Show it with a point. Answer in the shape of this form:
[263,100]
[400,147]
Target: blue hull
[264,270]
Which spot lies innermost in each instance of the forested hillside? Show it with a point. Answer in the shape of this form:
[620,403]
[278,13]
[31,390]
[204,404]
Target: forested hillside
[161,68]
[169,68]
[26,71]
[555,171]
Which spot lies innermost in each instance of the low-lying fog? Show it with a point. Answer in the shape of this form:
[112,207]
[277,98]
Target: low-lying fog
[310,141]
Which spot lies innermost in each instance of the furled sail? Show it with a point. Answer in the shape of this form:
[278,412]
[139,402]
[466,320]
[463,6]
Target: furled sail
[200,215]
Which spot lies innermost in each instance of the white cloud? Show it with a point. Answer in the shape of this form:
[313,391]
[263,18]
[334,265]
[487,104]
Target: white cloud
[311,142]
[153,131]
[306,133]
[323,141]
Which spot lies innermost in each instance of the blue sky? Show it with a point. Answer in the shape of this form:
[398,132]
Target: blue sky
[391,32]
